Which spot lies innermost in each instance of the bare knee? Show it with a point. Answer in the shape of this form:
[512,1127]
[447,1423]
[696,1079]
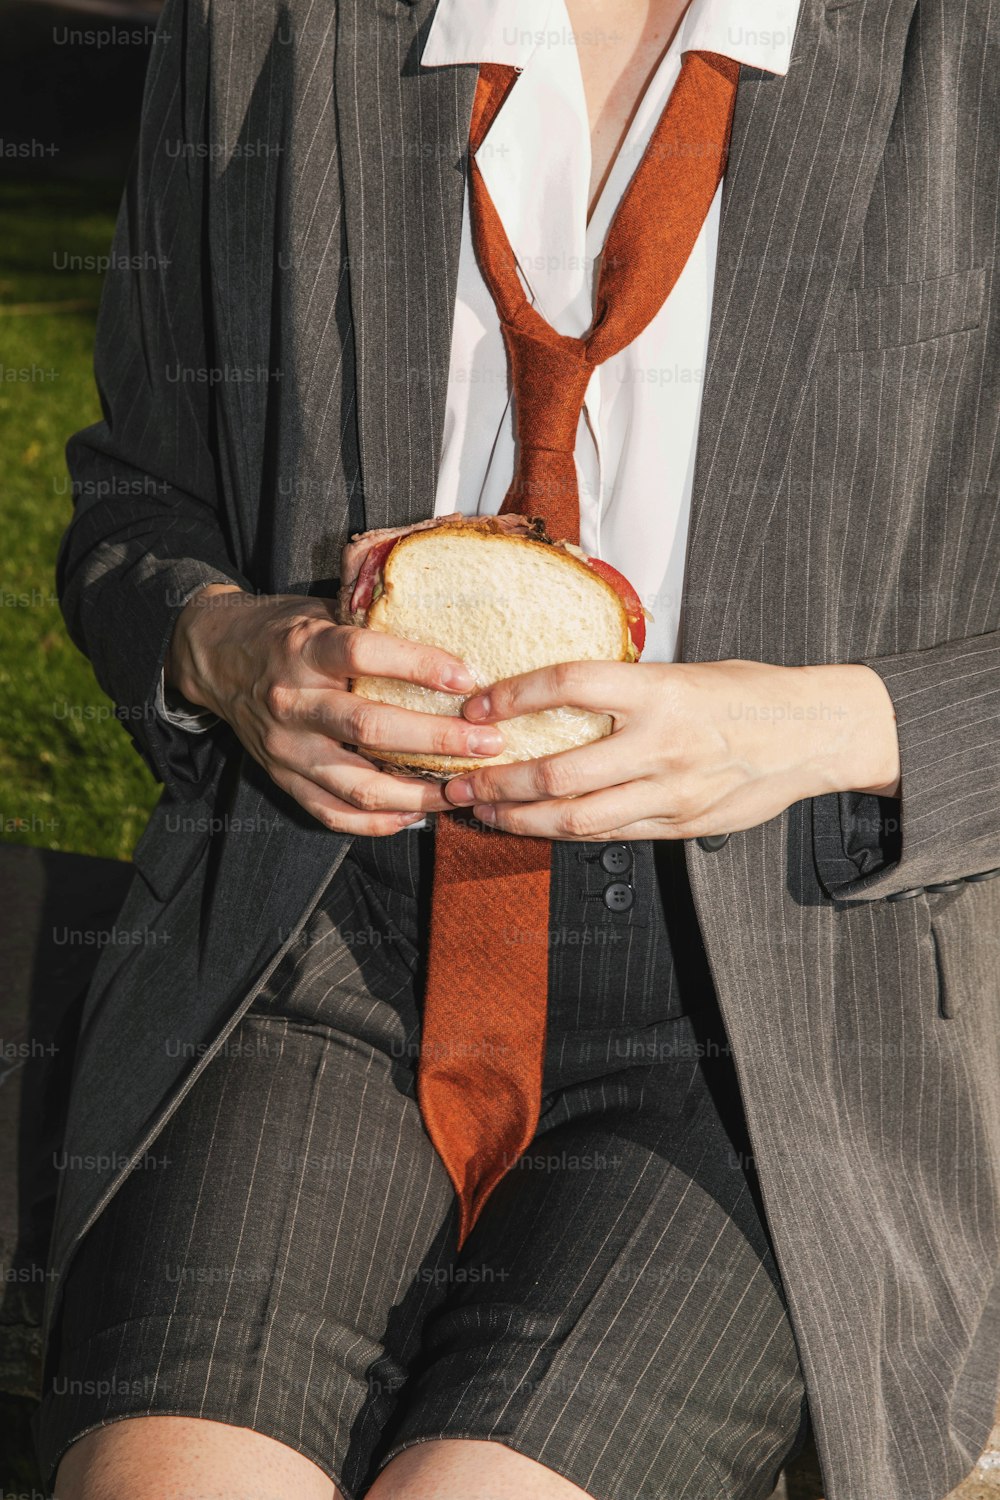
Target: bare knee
[457,1468]
[186,1458]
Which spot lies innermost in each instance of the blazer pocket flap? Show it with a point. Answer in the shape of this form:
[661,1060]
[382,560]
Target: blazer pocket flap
[909,312]
[171,843]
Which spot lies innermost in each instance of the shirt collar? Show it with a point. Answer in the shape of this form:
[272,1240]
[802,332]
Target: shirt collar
[758,33]
[473,31]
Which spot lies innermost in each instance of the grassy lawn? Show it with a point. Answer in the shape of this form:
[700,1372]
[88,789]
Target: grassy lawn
[70,777]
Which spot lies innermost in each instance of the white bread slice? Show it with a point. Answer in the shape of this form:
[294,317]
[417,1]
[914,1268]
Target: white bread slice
[504,605]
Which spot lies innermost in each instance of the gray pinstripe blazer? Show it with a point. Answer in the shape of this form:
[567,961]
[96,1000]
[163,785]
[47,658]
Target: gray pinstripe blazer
[272,354]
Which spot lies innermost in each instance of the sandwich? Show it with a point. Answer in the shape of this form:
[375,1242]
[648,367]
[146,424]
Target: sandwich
[501,595]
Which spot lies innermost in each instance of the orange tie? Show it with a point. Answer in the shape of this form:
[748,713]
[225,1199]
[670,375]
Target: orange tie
[482,1051]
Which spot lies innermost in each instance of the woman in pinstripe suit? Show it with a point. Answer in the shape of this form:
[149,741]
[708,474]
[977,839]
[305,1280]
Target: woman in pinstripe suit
[282,1308]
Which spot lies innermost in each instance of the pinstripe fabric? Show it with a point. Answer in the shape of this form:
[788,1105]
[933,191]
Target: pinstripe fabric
[288,1263]
[844,509]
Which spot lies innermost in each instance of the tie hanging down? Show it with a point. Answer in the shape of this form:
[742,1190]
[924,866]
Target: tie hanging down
[479,1077]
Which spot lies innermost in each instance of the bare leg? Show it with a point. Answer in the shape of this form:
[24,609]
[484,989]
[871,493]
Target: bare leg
[186,1458]
[468,1469]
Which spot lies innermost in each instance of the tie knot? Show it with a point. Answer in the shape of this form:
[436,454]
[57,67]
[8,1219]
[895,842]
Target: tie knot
[550,373]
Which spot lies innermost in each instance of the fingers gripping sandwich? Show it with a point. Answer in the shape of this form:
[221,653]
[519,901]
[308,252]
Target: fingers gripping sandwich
[501,595]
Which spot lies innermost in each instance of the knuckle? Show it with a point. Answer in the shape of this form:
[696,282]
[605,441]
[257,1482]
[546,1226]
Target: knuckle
[577,822]
[300,632]
[508,819]
[450,738]
[331,819]
[362,723]
[272,742]
[554,778]
[279,700]
[430,666]
[366,795]
[351,646]
[566,676]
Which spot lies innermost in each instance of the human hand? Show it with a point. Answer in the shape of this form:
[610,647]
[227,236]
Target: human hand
[697,748]
[277,668]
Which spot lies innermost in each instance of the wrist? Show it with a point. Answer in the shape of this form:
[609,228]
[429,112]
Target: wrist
[863,754]
[185,666]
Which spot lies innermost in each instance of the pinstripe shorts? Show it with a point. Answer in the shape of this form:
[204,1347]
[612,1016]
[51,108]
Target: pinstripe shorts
[286,1261]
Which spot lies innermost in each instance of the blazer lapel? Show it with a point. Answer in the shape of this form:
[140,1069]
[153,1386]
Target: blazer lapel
[403,137]
[805,149]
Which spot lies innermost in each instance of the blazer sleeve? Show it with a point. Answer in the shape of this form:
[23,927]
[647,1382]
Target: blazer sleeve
[945,825]
[147,530]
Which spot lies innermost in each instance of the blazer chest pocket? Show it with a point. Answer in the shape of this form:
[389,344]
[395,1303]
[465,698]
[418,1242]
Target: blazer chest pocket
[965,929]
[908,312]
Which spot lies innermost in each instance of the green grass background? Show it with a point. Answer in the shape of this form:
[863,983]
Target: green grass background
[70,778]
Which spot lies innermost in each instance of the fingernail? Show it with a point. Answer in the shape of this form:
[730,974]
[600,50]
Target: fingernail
[460,790]
[485,742]
[477,708]
[485,813]
[459,678]
[407,818]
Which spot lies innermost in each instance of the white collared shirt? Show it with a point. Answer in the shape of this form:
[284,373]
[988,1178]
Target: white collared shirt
[638,431]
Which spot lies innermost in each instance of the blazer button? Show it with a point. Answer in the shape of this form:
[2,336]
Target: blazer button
[984,875]
[712,841]
[916,890]
[616,859]
[618,896]
[946,885]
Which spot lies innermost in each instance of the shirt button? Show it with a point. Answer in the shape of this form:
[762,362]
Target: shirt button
[618,896]
[616,858]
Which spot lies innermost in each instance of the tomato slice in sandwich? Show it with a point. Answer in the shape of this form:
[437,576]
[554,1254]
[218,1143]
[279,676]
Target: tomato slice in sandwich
[627,594]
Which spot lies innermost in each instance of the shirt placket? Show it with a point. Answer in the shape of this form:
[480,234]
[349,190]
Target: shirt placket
[590,467]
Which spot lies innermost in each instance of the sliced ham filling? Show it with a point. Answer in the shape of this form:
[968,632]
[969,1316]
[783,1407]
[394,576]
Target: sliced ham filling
[370,575]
